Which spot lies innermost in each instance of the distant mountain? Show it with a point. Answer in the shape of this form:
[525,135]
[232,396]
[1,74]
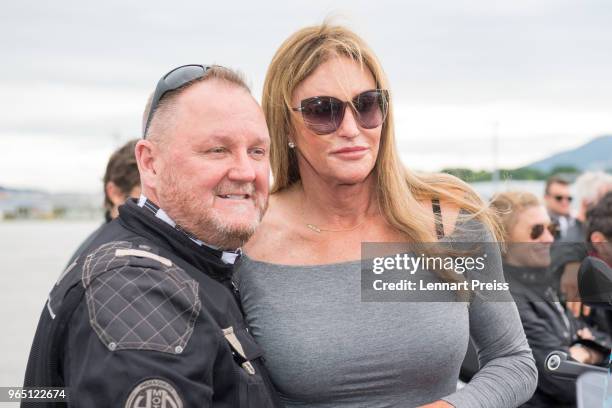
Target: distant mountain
[594,155]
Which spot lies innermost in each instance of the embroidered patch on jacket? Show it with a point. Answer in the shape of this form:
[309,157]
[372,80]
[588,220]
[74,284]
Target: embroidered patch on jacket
[139,300]
[154,393]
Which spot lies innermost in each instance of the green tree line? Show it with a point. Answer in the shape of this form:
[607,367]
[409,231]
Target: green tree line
[522,173]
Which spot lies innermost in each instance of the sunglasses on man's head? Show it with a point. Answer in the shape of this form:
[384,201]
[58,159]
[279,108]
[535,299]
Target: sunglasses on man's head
[560,198]
[172,81]
[538,229]
[324,114]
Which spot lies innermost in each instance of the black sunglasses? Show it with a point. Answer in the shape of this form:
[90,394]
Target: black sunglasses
[324,114]
[538,229]
[172,81]
[560,198]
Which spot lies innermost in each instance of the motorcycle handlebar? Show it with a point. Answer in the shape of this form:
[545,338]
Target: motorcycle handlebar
[558,365]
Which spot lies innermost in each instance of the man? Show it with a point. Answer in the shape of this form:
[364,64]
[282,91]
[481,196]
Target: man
[590,188]
[147,317]
[121,181]
[558,203]
[569,251]
[599,229]
[599,242]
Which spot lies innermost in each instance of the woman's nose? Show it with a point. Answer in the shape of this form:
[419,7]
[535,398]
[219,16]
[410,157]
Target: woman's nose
[349,127]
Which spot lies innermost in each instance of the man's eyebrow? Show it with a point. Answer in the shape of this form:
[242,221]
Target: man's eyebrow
[220,135]
[230,140]
[262,140]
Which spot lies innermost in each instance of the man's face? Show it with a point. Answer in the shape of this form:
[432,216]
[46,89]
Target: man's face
[118,197]
[602,245]
[214,169]
[558,199]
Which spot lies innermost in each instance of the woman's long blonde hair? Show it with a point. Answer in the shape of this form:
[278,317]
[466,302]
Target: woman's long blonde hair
[399,189]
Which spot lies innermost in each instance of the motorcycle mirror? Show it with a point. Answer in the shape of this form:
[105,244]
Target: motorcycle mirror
[595,282]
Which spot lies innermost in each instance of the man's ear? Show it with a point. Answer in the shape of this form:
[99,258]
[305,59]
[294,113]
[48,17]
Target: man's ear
[597,237]
[147,155]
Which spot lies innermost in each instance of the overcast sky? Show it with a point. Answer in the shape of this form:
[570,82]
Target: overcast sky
[76,74]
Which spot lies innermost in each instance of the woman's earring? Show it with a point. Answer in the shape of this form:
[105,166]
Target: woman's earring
[291,145]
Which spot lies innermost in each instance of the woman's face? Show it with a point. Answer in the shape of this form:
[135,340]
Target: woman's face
[348,155]
[530,240]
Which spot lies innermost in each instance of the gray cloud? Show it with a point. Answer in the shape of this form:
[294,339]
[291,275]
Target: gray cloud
[74,70]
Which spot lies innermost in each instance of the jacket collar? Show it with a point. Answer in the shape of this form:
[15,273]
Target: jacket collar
[229,257]
[528,275]
[145,223]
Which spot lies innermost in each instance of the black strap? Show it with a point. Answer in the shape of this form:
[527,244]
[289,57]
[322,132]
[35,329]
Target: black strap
[435,205]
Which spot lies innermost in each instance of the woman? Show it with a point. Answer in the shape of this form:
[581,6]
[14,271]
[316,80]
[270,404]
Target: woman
[337,183]
[529,234]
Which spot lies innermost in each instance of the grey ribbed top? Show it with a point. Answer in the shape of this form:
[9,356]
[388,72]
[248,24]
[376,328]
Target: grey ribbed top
[326,348]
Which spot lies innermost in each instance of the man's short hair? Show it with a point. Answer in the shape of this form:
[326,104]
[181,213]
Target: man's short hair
[122,171]
[555,179]
[161,119]
[599,218]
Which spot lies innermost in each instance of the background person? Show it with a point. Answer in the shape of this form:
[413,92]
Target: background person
[599,229]
[528,237]
[558,203]
[590,187]
[121,181]
[338,182]
[568,252]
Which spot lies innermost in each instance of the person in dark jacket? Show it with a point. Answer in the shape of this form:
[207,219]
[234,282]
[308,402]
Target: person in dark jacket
[147,316]
[121,181]
[568,252]
[558,201]
[528,234]
[599,240]
[599,229]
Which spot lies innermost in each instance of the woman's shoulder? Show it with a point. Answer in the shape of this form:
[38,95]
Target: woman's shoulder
[462,212]
[458,223]
[447,214]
